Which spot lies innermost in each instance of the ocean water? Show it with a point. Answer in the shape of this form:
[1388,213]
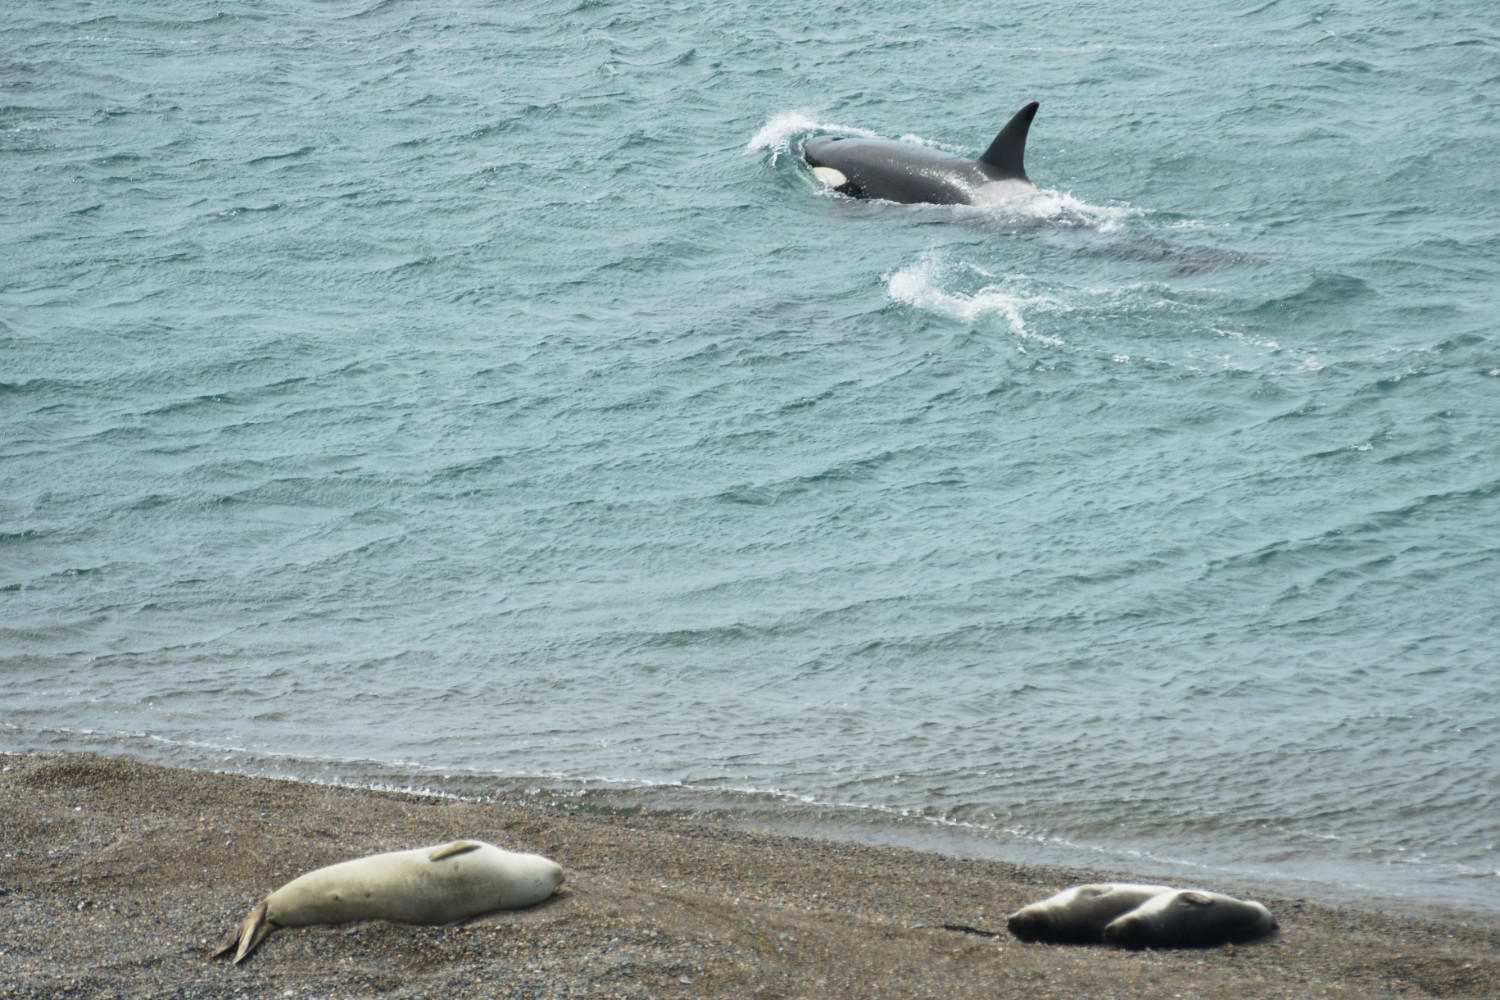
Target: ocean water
[484,397]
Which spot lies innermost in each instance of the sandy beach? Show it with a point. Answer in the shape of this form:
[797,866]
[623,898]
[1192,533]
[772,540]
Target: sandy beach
[118,878]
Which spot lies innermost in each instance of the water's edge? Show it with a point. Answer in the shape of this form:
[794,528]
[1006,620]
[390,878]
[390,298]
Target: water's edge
[772,811]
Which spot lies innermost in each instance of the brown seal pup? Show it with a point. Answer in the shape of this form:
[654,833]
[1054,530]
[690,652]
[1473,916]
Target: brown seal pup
[1190,918]
[428,885]
[1079,915]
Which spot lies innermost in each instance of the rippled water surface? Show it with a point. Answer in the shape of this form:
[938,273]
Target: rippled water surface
[485,397]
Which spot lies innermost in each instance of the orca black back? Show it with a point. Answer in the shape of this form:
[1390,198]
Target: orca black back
[902,172]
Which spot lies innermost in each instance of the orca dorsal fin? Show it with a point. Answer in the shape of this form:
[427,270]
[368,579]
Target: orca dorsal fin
[1006,153]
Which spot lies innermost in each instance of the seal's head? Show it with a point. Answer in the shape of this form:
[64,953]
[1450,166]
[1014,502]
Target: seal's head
[1026,924]
[533,878]
[1130,931]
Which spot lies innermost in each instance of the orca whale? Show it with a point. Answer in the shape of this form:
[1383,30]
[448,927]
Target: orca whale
[899,171]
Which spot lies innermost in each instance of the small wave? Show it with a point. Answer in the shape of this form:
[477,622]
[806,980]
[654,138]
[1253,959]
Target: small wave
[379,8]
[1325,291]
[294,154]
[238,210]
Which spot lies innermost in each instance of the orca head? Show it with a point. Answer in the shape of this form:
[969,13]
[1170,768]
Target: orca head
[817,152]
[816,149]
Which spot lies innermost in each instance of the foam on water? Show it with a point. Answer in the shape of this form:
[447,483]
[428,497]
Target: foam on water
[921,286]
[781,134]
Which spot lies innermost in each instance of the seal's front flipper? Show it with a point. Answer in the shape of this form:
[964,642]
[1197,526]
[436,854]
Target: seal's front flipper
[457,847]
[966,929]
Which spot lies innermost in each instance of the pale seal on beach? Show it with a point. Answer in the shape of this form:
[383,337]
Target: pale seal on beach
[428,885]
[1079,915]
[1190,918]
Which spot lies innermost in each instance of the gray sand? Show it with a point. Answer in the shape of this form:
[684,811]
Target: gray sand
[117,878]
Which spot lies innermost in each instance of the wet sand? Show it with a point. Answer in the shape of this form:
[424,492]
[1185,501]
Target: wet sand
[118,879]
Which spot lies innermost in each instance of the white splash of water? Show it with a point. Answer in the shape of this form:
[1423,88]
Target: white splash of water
[1015,199]
[921,286]
[778,134]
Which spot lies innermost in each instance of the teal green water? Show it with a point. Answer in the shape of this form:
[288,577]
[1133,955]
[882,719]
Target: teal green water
[485,397]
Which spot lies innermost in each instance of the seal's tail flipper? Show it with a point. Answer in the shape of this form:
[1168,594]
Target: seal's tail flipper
[227,942]
[1008,150]
[254,929]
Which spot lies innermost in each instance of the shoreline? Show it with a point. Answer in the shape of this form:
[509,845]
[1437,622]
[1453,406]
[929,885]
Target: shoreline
[117,878]
[1389,888]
